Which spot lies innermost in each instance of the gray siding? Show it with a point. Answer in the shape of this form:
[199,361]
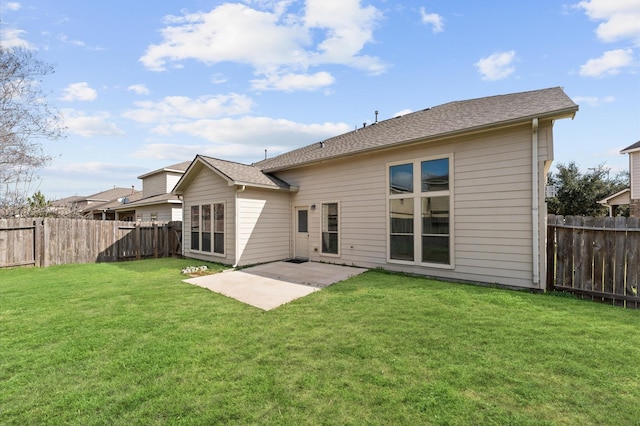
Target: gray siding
[163,212]
[154,185]
[206,188]
[634,174]
[263,226]
[491,221]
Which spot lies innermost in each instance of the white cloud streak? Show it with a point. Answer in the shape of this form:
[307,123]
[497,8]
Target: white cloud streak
[621,19]
[436,21]
[139,89]
[291,82]
[183,108]
[11,38]
[593,101]
[79,92]
[496,66]
[89,126]
[610,63]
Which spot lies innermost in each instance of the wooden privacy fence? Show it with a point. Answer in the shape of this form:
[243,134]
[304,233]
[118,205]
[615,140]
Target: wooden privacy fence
[596,258]
[54,241]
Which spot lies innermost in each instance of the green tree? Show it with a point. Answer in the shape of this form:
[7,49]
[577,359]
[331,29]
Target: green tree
[578,193]
[39,206]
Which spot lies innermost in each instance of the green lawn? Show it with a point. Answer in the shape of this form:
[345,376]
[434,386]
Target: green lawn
[130,343]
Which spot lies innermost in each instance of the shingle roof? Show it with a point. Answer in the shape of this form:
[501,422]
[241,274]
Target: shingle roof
[149,201]
[440,121]
[243,174]
[634,147]
[179,167]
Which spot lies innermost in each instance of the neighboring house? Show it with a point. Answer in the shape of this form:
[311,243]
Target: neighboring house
[454,191]
[96,206]
[634,178]
[620,198]
[156,203]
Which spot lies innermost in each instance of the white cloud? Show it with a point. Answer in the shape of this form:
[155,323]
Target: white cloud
[609,63]
[621,19]
[11,38]
[243,139]
[402,112]
[65,39]
[276,41]
[291,82]
[139,89]
[90,125]
[13,6]
[593,100]
[79,92]
[254,131]
[183,108]
[433,19]
[496,66]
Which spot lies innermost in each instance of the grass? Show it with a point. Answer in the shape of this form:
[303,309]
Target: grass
[130,343]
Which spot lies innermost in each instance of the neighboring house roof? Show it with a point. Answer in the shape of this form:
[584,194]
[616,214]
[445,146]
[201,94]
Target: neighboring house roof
[618,199]
[149,201]
[234,173]
[111,194]
[632,148]
[432,123]
[64,202]
[112,204]
[175,168]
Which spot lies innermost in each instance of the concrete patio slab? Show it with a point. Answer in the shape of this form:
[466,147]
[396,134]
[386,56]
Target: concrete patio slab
[271,285]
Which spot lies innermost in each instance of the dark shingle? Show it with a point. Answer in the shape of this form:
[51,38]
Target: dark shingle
[448,119]
[243,174]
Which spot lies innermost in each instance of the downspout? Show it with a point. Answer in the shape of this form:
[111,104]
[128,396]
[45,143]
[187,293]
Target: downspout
[239,189]
[535,202]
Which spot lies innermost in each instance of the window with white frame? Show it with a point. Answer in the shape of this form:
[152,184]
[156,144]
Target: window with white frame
[420,199]
[207,228]
[330,233]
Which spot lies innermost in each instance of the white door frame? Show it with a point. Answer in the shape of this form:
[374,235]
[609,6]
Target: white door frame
[301,238]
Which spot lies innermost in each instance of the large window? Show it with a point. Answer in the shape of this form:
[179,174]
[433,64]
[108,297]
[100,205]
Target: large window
[207,228]
[330,240]
[420,211]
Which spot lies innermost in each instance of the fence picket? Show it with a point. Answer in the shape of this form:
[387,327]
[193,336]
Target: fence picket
[55,241]
[602,253]
[632,278]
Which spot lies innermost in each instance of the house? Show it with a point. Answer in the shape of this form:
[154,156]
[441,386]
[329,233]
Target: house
[620,198]
[156,202]
[634,178]
[96,206]
[454,191]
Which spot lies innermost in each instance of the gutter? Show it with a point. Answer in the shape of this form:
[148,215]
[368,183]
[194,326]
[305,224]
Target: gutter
[535,202]
[239,189]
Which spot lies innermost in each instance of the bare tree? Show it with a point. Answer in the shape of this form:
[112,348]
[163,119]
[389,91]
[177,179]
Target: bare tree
[25,120]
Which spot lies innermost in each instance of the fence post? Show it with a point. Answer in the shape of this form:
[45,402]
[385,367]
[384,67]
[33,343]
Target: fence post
[156,240]
[137,241]
[38,242]
[165,237]
[551,251]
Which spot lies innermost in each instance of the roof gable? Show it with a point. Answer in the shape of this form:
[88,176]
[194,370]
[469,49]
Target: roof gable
[174,168]
[450,119]
[234,173]
[633,148]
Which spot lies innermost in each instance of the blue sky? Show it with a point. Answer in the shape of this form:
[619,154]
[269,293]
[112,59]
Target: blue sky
[143,85]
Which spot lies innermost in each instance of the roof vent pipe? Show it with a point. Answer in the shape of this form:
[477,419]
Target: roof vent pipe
[322,144]
[376,116]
